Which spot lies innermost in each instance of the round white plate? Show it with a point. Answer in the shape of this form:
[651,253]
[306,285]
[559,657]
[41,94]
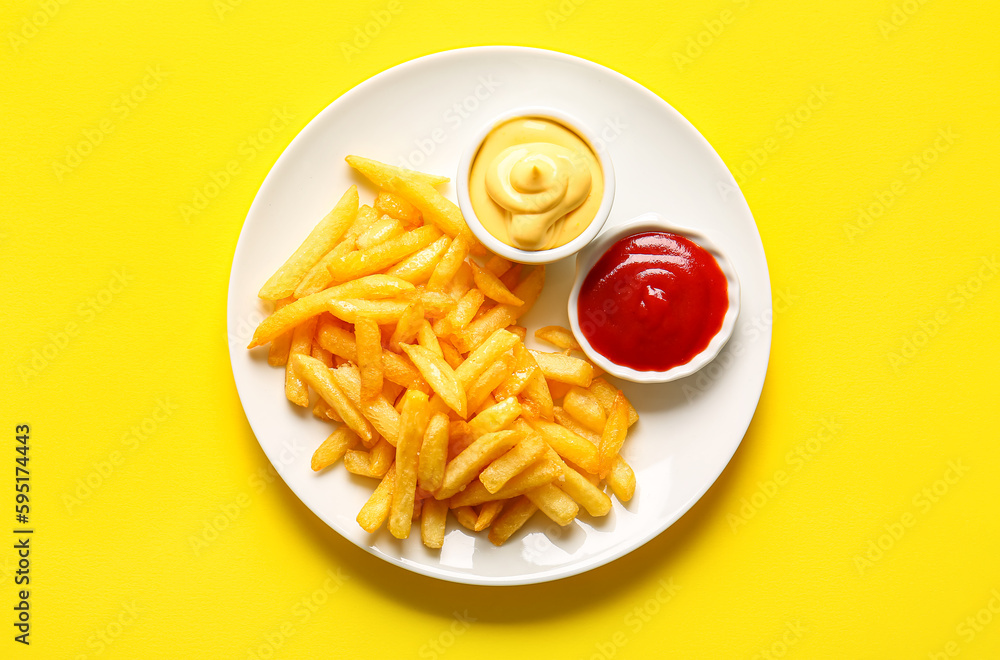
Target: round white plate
[420,114]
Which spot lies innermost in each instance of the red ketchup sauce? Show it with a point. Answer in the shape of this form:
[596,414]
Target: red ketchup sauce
[653,301]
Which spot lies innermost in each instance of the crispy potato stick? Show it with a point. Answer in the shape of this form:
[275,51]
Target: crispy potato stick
[320,353]
[502,316]
[449,264]
[396,368]
[539,473]
[488,402]
[359,462]
[464,467]
[524,367]
[495,418]
[558,336]
[451,354]
[614,435]
[585,408]
[293,314]
[433,520]
[496,345]
[433,454]
[554,503]
[302,338]
[277,352]
[479,392]
[567,421]
[461,283]
[536,397]
[581,489]
[379,311]
[519,330]
[417,267]
[439,375]
[412,423]
[569,445]
[511,278]
[320,379]
[461,314]
[369,343]
[318,277]
[556,389]
[491,285]
[376,509]
[512,519]
[436,304]
[377,410]
[381,230]
[564,368]
[622,480]
[322,410]
[488,512]
[334,447]
[605,393]
[381,457]
[498,265]
[459,437]
[408,325]
[394,206]
[377,172]
[503,469]
[467,516]
[427,339]
[383,255]
[322,238]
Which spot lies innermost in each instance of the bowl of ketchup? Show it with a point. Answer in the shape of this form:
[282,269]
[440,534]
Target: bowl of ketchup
[653,302]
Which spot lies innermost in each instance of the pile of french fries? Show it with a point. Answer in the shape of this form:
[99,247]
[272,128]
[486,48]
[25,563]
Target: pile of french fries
[415,351]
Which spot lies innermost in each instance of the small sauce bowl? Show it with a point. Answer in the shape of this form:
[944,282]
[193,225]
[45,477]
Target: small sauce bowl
[510,252]
[593,252]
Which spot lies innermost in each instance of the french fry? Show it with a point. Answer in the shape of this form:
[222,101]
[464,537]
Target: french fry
[391,390]
[512,519]
[449,264]
[488,401]
[439,375]
[396,368]
[381,457]
[334,448]
[487,513]
[479,392]
[320,378]
[369,342]
[322,410]
[614,435]
[498,265]
[433,520]
[524,367]
[433,454]
[318,277]
[412,423]
[408,325]
[511,278]
[376,172]
[556,389]
[536,397]
[359,462]
[569,445]
[495,418]
[567,421]
[377,409]
[466,516]
[379,311]
[461,314]
[606,393]
[321,354]
[519,330]
[581,489]
[463,468]
[558,336]
[381,230]
[621,478]
[451,354]
[492,287]
[436,304]
[294,314]
[502,316]
[498,343]
[564,368]
[383,255]
[461,283]
[427,339]
[554,503]
[321,239]
[302,338]
[277,352]
[419,266]
[394,206]
[515,461]
[539,473]
[376,509]
[585,408]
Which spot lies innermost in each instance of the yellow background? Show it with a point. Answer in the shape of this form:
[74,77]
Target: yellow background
[761,566]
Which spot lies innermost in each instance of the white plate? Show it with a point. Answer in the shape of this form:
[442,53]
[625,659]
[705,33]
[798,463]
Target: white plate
[421,114]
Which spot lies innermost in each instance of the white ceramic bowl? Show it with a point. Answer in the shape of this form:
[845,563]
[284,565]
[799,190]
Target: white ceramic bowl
[590,255]
[535,256]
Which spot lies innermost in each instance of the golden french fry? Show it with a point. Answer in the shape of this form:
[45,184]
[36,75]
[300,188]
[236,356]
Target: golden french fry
[614,435]
[569,445]
[377,409]
[379,311]
[488,512]
[558,336]
[359,462]
[383,255]
[408,325]
[556,389]
[459,437]
[461,314]
[419,266]
[606,393]
[478,394]
[585,408]
[369,343]
[524,367]
[461,283]
[381,230]
[322,410]
[451,355]
[492,287]
[621,478]
[439,375]
[464,467]
[436,304]
[502,316]
[396,368]
[412,423]
[321,239]
[302,338]
[564,368]
[581,489]
[433,520]
[391,390]
[554,503]
[293,314]
[381,457]
[377,172]
[519,330]
[320,378]
[536,397]
[498,265]
[376,509]
[433,454]
[503,469]
[466,516]
[318,277]
[512,519]
[394,206]
[488,402]
[452,260]
[511,278]
[541,472]
[566,420]
[277,352]
[495,418]
[321,354]
[484,355]
[334,447]
[427,339]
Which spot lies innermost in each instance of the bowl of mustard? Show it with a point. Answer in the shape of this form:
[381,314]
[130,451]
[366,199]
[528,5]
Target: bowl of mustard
[535,185]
